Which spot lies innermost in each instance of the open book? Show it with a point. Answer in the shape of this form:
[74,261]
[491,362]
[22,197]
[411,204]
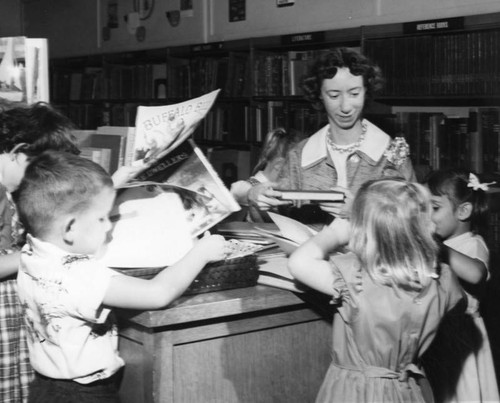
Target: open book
[290,234]
[175,198]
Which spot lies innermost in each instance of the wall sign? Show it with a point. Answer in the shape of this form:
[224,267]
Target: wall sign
[284,3]
[445,24]
[306,37]
[207,47]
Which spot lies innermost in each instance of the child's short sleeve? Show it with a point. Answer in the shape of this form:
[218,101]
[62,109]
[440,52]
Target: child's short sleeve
[450,285]
[347,282]
[87,284]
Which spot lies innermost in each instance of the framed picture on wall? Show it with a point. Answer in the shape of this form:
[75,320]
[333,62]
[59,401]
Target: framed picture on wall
[237,10]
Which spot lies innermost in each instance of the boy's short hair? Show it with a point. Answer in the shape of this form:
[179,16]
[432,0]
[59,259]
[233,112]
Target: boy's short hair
[57,183]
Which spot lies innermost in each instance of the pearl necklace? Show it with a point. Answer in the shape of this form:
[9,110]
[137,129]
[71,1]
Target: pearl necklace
[346,149]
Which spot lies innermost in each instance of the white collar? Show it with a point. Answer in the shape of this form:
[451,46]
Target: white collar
[374,145]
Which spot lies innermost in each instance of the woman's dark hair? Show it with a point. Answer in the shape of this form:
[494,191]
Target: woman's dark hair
[277,144]
[453,183]
[38,127]
[327,65]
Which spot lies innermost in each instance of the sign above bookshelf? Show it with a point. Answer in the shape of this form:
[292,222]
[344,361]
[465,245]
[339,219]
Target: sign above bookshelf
[440,25]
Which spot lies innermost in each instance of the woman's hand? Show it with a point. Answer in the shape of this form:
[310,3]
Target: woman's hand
[341,210]
[264,197]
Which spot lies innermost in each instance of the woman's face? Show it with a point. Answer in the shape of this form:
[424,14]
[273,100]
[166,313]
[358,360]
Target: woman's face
[344,98]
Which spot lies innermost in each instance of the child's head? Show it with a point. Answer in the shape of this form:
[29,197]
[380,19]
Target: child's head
[392,232]
[66,200]
[25,132]
[459,206]
[39,127]
[274,151]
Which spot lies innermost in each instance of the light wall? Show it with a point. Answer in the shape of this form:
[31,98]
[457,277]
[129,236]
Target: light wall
[74,27]
[10,18]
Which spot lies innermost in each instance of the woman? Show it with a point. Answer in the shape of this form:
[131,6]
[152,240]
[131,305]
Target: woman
[345,153]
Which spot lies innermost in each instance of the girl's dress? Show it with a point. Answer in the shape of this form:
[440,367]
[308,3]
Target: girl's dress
[15,369]
[461,367]
[379,333]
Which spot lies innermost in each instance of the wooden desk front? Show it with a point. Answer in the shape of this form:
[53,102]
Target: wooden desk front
[257,344]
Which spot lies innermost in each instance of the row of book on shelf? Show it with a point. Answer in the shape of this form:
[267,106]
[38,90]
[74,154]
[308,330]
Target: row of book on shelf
[439,141]
[270,74]
[233,122]
[464,63]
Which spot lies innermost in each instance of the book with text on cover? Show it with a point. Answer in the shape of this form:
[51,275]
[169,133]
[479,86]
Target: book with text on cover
[160,129]
[24,69]
[312,195]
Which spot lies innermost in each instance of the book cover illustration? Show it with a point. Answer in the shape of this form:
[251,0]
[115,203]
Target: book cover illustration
[24,75]
[160,129]
[12,69]
[149,230]
[187,172]
[165,209]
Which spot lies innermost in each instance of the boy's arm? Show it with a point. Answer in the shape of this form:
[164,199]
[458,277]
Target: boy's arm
[307,263]
[134,293]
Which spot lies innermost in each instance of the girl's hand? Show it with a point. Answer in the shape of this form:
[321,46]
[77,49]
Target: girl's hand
[342,210]
[264,197]
[124,174]
[212,247]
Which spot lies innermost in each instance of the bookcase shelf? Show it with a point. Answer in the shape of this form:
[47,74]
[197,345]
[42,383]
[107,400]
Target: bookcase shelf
[456,64]
[446,63]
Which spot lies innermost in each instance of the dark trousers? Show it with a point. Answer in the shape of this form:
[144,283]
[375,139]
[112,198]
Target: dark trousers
[48,390]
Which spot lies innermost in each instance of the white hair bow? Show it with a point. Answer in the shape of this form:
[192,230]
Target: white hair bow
[475,184]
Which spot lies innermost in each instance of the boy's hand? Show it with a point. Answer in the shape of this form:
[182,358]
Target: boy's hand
[212,247]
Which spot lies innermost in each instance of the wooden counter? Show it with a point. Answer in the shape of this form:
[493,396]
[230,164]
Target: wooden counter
[257,344]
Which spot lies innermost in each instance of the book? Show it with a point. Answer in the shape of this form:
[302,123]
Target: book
[149,229]
[273,272]
[99,155]
[160,129]
[167,206]
[208,201]
[290,233]
[312,195]
[126,136]
[24,71]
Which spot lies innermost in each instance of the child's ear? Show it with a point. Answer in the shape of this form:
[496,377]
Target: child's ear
[464,211]
[68,230]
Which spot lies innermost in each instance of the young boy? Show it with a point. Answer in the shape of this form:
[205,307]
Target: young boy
[64,202]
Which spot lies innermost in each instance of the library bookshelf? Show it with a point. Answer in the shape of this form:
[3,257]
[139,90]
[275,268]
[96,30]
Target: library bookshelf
[442,87]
